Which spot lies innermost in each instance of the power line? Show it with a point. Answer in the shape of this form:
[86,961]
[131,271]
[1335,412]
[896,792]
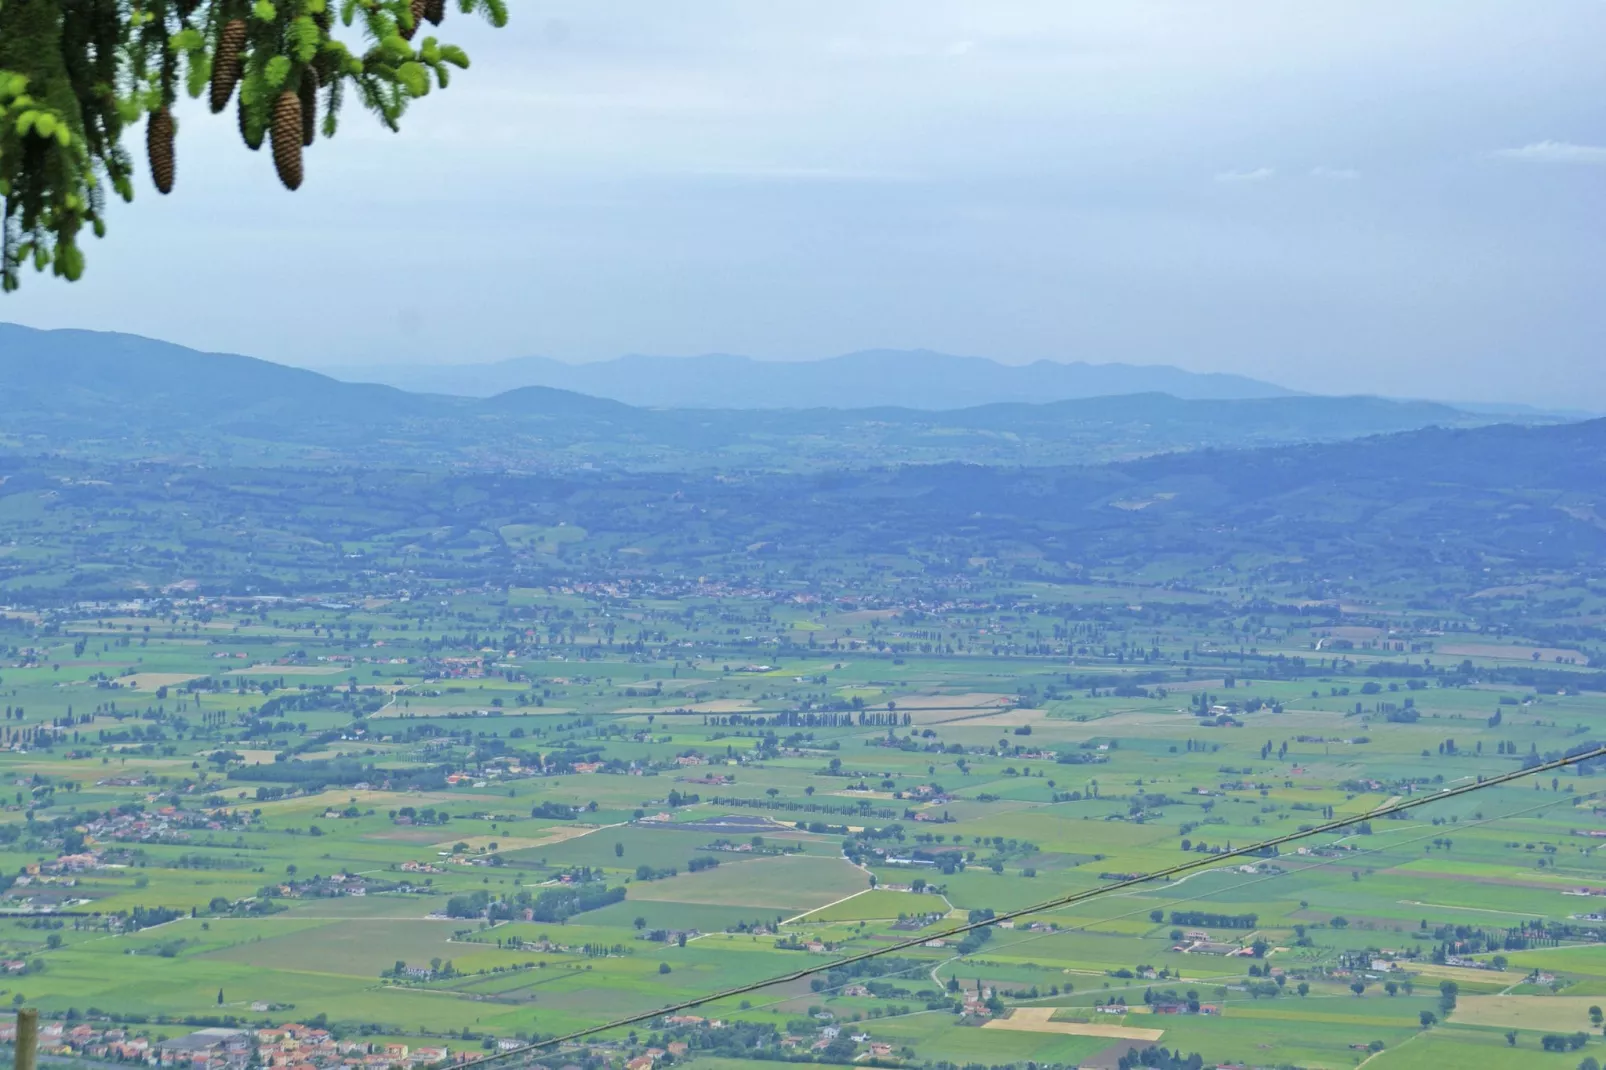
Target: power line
[1061,901]
[1012,944]
[921,966]
[1067,900]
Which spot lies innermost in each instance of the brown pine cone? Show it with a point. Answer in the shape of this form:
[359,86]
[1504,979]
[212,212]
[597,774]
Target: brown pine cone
[227,62]
[434,11]
[286,133]
[309,106]
[159,147]
[418,17]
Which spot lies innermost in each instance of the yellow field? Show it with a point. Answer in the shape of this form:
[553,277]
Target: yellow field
[972,700]
[290,670]
[150,681]
[1463,974]
[975,705]
[1555,1014]
[1511,653]
[1006,718]
[339,799]
[519,843]
[257,757]
[399,712]
[1037,1020]
[723,705]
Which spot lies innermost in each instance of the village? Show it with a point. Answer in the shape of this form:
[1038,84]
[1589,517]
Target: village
[287,1047]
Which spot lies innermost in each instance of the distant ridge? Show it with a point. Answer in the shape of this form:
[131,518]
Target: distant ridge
[82,373]
[872,378]
[121,395]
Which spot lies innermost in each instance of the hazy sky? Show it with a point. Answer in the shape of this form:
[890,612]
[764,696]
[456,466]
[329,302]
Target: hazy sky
[1395,196]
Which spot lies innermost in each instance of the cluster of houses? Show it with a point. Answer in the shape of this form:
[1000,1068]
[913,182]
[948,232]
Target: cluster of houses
[61,872]
[421,867]
[979,1002]
[284,1047]
[932,794]
[711,779]
[336,884]
[166,824]
[454,668]
[649,1058]
[640,768]
[515,766]
[1200,943]
[1327,850]
[1160,1004]
[827,1035]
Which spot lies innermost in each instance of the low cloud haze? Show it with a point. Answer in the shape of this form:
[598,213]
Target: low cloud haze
[1402,197]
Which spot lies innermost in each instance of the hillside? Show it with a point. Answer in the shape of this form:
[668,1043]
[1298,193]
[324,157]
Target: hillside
[73,375]
[1450,510]
[915,379]
[122,396]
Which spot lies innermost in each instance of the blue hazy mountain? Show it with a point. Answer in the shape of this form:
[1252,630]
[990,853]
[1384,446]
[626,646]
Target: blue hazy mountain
[916,379]
[123,395]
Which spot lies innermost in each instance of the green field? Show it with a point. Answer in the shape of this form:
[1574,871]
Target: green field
[536,858]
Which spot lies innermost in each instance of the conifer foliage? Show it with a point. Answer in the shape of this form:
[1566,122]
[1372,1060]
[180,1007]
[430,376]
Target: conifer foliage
[75,75]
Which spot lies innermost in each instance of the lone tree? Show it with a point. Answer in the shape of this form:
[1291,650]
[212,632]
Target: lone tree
[76,75]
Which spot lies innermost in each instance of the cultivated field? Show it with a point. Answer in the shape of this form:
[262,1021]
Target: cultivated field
[437,835]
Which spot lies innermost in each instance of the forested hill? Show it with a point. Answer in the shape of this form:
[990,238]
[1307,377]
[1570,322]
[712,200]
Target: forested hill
[68,377]
[1512,493]
[143,465]
[1453,509]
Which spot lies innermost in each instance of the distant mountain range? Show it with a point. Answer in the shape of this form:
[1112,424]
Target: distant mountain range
[121,395]
[244,472]
[913,379]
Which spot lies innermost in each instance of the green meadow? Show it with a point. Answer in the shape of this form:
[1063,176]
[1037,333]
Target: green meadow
[234,774]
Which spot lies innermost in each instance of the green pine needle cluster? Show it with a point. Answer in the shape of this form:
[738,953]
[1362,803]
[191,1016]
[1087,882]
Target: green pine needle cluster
[76,74]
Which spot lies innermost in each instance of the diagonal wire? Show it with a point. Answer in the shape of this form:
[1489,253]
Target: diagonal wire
[1336,825]
[1087,926]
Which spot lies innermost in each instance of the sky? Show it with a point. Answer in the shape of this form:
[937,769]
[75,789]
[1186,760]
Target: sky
[1404,197]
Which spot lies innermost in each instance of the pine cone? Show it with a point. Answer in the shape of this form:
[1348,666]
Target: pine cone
[227,62]
[418,17]
[159,147]
[434,11]
[286,132]
[250,132]
[309,106]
